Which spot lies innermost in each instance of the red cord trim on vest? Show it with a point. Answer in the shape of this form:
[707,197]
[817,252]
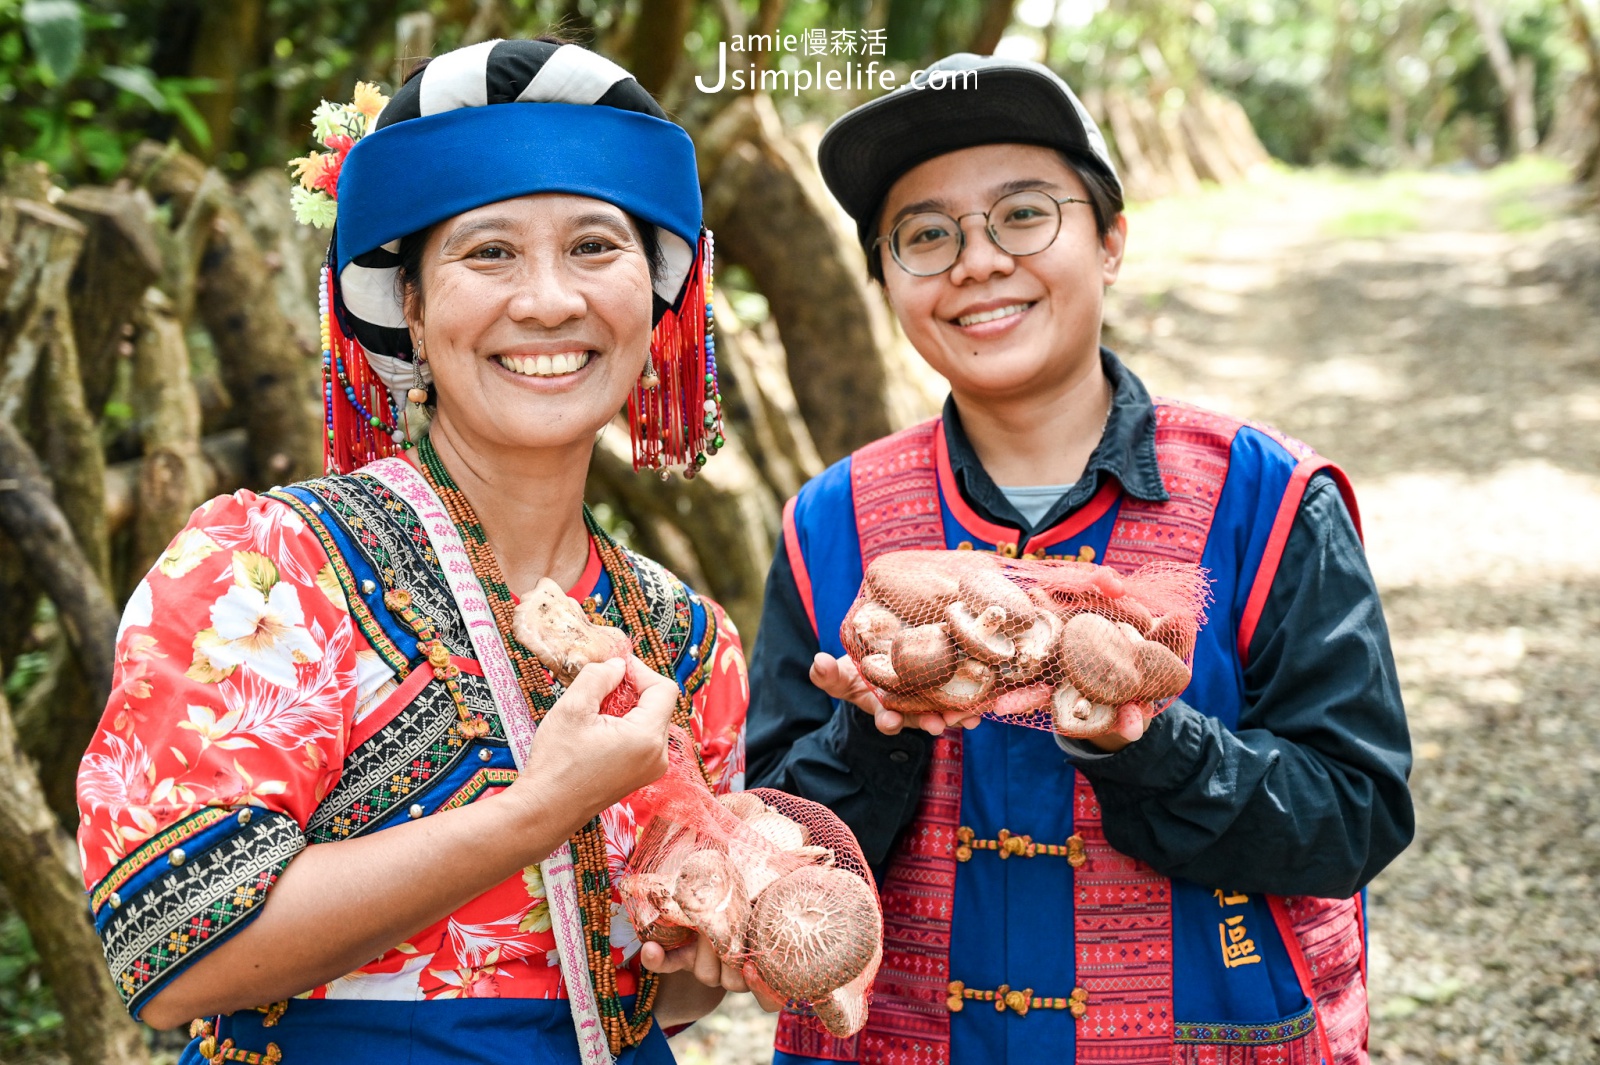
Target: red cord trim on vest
[797,564]
[1302,969]
[1288,507]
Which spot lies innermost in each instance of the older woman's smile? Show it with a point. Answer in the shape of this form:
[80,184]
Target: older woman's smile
[559,364]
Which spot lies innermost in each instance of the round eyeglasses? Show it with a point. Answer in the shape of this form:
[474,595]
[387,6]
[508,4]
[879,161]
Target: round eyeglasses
[1021,223]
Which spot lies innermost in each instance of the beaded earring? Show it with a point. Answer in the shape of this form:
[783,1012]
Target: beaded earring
[418,392]
[675,411]
[360,418]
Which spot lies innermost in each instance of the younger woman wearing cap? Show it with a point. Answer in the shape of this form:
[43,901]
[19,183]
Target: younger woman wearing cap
[1202,902]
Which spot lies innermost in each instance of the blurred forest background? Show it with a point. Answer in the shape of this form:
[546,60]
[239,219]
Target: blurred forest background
[158,335]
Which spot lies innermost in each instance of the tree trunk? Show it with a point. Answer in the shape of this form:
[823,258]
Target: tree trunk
[773,217]
[120,259]
[657,42]
[1140,177]
[760,407]
[1522,135]
[226,458]
[227,45]
[716,531]
[173,478]
[768,15]
[992,23]
[37,866]
[273,381]
[42,535]
[42,388]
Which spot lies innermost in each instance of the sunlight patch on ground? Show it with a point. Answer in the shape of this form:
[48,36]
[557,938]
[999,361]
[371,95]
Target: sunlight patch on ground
[1354,377]
[1525,524]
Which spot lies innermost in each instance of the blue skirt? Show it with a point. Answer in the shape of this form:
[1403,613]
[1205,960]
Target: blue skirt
[478,1031]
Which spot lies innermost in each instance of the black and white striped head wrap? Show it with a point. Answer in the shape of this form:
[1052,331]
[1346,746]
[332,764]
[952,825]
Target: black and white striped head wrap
[441,146]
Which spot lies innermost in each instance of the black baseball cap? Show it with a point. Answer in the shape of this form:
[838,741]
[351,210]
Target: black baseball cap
[960,101]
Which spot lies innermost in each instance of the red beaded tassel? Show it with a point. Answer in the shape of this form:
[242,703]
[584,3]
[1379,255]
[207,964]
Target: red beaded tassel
[675,412]
[355,402]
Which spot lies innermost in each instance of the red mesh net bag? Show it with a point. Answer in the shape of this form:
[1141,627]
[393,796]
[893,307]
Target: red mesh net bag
[776,883]
[1054,644]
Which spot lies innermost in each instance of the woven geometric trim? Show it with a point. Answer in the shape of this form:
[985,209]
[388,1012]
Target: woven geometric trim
[195,906]
[1284,1031]
[153,848]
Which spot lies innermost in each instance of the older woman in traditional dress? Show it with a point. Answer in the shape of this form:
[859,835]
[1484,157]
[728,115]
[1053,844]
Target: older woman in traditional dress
[336,809]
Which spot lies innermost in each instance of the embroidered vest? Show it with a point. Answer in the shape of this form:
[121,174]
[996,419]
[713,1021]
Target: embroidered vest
[1122,909]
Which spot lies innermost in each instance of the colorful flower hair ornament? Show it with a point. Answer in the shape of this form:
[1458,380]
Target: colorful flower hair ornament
[336,127]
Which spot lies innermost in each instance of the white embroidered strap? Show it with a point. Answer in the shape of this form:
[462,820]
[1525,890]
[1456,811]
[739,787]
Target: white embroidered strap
[560,878]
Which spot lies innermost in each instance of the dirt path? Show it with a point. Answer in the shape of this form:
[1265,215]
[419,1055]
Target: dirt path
[1439,336]
[1453,368]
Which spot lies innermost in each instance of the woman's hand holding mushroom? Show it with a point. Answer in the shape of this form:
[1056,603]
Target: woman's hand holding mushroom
[842,679]
[581,760]
[694,979]
[947,637]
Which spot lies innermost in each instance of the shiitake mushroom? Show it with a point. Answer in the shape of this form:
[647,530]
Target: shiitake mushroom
[813,931]
[711,894]
[1162,674]
[923,656]
[967,687]
[561,636]
[982,635]
[1098,659]
[878,670]
[1176,633]
[1079,718]
[984,589]
[869,629]
[1036,648]
[912,584]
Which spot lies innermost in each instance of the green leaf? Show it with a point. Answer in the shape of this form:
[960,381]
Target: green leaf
[190,118]
[55,32]
[140,82]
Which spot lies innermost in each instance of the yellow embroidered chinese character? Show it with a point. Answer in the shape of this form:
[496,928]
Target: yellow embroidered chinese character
[1237,946]
[1226,899]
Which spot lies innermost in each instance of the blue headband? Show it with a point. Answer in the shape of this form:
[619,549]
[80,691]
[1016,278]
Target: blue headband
[413,174]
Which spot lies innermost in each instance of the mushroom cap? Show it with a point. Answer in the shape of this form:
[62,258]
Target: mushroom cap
[916,585]
[742,804]
[879,672]
[968,686]
[670,936]
[869,629]
[1175,632]
[982,635]
[554,627]
[1078,718]
[1162,673]
[844,1012]
[1098,659]
[711,894]
[1037,646]
[984,588]
[778,830]
[910,703]
[923,656]
[813,931]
